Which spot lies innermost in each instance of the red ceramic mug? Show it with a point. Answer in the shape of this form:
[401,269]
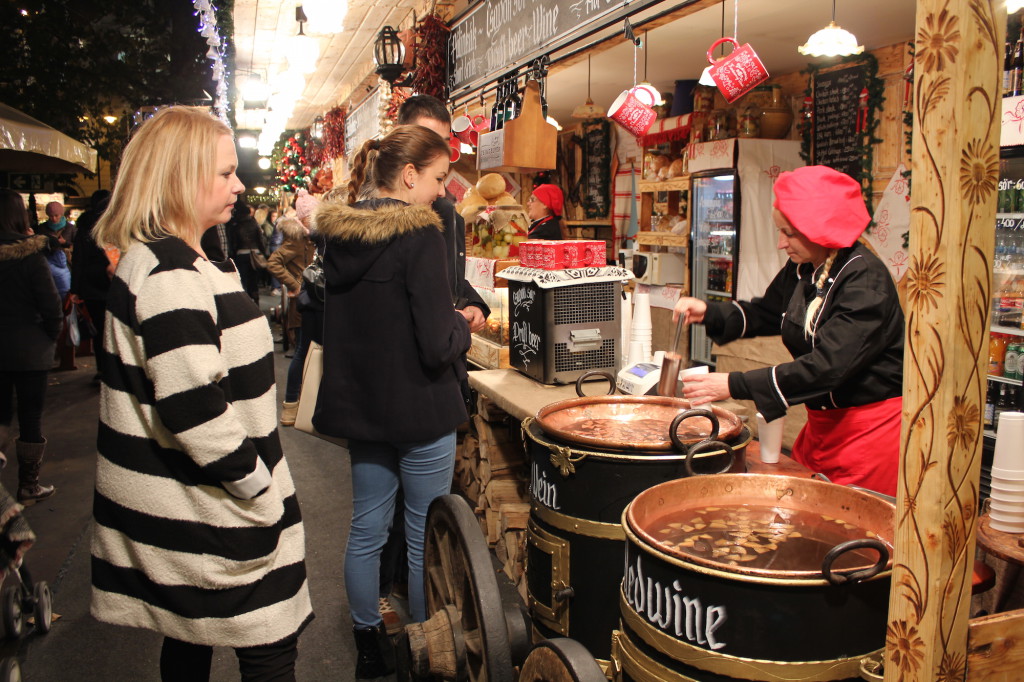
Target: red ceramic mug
[464,129]
[738,72]
[629,112]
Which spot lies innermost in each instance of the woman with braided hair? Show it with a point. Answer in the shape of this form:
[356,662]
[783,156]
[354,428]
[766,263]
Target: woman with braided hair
[393,361]
[836,307]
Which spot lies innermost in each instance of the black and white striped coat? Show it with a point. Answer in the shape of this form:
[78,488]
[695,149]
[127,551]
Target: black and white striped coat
[197,530]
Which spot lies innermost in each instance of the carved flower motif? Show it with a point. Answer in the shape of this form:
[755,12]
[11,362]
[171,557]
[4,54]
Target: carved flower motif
[979,171]
[906,648]
[925,282]
[952,668]
[937,41]
[962,424]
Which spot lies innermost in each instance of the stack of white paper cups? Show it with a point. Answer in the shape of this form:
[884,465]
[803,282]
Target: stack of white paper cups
[642,330]
[1007,503]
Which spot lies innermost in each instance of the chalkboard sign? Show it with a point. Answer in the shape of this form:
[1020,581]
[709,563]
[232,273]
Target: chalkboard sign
[596,175]
[496,35]
[362,123]
[837,139]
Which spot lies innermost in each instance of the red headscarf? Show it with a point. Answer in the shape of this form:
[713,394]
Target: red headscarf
[550,196]
[824,205]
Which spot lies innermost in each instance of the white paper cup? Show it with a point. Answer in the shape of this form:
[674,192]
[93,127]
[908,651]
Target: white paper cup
[1009,475]
[636,353]
[1007,511]
[769,434]
[1009,450]
[1006,526]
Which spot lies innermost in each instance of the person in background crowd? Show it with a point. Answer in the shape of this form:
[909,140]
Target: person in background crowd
[287,264]
[197,532]
[62,232]
[544,209]
[274,241]
[30,321]
[91,269]
[839,314]
[393,361]
[244,233]
[260,216]
[214,243]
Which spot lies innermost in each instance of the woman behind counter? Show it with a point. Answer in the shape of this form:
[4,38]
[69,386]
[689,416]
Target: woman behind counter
[544,209]
[197,531]
[393,345]
[837,309]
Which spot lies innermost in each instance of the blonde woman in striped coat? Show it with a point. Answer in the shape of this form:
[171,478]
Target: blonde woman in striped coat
[197,530]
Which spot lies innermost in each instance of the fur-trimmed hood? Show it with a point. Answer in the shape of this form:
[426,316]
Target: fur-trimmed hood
[371,222]
[17,247]
[359,238]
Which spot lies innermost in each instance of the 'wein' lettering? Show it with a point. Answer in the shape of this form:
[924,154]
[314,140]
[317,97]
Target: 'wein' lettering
[543,490]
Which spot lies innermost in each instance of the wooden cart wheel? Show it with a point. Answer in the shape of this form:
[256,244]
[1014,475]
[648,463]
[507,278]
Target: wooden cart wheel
[10,670]
[561,660]
[13,616]
[43,611]
[466,617]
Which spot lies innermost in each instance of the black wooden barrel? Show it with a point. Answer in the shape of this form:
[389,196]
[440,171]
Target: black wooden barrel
[575,540]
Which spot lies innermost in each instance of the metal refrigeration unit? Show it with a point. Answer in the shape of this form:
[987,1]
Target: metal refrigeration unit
[560,331]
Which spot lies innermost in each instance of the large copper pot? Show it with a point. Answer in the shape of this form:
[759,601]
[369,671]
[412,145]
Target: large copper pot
[634,423]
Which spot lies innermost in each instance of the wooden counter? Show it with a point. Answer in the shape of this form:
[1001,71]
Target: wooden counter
[522,397]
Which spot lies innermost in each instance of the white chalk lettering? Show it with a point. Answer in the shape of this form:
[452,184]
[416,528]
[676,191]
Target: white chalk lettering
[670,610]
[522,300]
[544,491]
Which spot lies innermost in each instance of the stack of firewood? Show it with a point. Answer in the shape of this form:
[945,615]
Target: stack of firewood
[492,473]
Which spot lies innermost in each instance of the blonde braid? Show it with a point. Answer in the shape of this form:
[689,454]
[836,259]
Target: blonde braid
[815,305]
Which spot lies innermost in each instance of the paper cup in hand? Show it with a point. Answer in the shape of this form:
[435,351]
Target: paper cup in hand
[769,433]
[629,112]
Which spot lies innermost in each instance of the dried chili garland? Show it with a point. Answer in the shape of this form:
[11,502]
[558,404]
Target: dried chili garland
[430,76]
[334,135]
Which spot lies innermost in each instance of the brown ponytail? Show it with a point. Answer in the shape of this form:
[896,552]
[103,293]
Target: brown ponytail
[810,323]
[378,163]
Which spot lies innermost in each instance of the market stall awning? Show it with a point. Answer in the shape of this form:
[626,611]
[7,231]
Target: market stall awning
[30,146]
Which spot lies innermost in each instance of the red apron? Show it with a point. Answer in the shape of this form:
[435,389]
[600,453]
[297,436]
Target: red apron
[854,445]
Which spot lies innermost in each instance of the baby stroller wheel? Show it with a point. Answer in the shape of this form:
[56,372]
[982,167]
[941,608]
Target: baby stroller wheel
[14,617]
[43,611]
[10,671]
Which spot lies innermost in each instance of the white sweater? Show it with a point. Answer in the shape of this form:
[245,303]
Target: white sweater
[197,528]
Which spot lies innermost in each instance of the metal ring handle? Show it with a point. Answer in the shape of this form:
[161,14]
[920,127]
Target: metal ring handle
[702,447]
[856,576]
[679,445]
[595,373]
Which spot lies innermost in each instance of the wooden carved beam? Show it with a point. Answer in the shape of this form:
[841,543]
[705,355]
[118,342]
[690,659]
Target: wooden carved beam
[958,64]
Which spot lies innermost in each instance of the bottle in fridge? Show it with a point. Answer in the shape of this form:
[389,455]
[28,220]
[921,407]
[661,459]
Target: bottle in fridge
[715,201]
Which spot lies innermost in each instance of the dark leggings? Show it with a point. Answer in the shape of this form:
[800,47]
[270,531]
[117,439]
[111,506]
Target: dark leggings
[31,389]
[186,662]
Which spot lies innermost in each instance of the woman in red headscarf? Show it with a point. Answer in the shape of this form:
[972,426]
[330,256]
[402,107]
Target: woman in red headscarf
[544,208]
[838,312]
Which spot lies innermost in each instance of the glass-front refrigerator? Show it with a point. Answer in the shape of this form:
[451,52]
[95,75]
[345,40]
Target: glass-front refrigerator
[715,201]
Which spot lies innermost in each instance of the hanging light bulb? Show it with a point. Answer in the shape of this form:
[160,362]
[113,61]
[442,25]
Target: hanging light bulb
[645,85]
[831,41]
[304,51]
[588,110]
[325,16]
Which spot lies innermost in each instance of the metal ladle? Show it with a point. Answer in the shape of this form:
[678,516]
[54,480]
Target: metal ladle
[668,384]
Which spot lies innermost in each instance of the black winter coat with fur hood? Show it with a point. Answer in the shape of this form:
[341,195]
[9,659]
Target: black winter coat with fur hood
[30,309]
[393,342]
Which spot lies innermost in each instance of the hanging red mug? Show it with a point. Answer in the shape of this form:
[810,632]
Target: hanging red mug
[738,72]
[629,112]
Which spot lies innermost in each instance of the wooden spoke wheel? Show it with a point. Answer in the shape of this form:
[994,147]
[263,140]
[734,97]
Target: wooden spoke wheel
[466,636]
[561,660]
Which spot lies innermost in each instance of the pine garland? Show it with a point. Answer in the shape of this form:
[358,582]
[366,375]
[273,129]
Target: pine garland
[876,95]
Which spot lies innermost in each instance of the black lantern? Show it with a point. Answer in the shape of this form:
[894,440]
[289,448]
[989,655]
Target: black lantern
[389,55]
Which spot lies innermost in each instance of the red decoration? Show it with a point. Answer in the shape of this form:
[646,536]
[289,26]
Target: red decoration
[430,76]
[334,135]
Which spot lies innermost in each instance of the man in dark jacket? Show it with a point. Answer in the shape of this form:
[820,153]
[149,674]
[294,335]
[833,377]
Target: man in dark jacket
[90,270]
[429,112]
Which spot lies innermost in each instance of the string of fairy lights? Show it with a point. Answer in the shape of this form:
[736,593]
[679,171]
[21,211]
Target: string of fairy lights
[207,15]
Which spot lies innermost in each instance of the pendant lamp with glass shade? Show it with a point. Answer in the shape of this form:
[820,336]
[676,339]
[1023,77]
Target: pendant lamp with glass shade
[588,110]
[831,41]
[705,75]
[645,85]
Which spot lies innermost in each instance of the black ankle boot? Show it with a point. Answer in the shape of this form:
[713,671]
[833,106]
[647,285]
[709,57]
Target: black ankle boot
[376,654]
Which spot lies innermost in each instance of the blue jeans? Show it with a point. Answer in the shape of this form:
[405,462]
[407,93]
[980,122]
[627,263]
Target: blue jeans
[293,384]
[425,472]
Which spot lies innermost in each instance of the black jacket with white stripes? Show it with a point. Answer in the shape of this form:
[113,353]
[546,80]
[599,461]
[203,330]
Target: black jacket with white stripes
[854,358]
